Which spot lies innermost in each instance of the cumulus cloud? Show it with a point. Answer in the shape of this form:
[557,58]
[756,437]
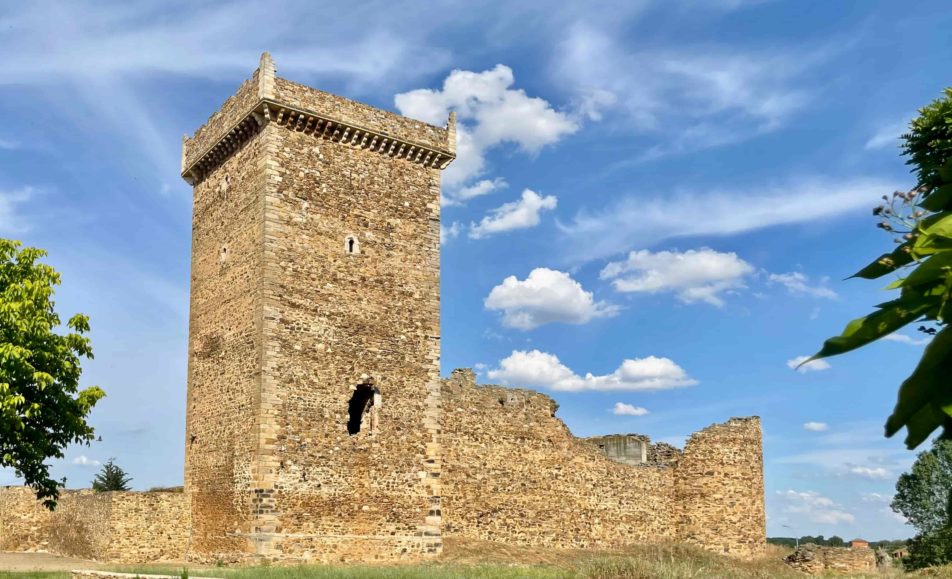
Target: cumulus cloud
[489,113]
[622,409]
[544,297]
[83,460]
[814,366]
[875,498]
[816,426]
[904,339]
[815,507]
[694,275]
[478,189]
[799,284]
[535,368]
[449,232]
[870,472]
[521,214]
[639,219]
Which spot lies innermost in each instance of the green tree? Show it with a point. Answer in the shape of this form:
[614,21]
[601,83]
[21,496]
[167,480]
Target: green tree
[835,541]
[42,409]
[922,494]
[111,478]
[921,221]
[923,498]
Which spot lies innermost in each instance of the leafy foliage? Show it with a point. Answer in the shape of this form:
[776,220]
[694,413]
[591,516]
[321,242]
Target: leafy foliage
[111,478]
[923,497]
[42,408]
[921,220]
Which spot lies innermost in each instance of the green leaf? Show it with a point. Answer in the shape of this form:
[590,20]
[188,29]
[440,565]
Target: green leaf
[932,269]
[941,227]
[891,317]
[939,200]
[887,263]
[925,392]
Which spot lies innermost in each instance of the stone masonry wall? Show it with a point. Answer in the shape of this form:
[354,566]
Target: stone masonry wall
[336,318]
[720,489]
[225,352]
[121,527]
[818,560]
[514,473]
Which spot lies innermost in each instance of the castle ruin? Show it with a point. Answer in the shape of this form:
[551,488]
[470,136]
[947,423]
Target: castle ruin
[317,425]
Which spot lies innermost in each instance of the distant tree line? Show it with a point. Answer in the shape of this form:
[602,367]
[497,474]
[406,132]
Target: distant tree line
[835,541]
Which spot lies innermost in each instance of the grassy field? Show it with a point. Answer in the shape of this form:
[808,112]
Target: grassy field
[491,561]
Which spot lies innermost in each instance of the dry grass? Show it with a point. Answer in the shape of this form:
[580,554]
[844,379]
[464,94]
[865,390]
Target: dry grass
[483,560]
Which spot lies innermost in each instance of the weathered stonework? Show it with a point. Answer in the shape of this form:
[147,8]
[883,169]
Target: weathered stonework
[317,425]
[817,560]
[121,527]
[315,278]
[514,473]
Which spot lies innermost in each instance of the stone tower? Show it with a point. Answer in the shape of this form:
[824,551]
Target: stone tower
[313,364]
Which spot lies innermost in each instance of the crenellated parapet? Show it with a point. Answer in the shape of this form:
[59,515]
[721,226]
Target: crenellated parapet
[267,98]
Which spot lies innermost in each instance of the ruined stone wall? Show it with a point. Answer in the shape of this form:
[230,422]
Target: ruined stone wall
[225,352]
[514,473]
[122,527]
[720,489]
[818,560]
[336,317]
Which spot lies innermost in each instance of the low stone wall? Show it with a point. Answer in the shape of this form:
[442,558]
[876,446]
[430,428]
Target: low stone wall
[817,560]
[113,575]
[121,527]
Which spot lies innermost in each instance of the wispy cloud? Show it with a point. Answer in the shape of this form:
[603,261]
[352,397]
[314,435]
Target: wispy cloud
[887,135]
[640,220]
[814,366]
[11,221]
[83,460]
[701,96]
[815,507]
[904,339]
[816,426]
[799,284]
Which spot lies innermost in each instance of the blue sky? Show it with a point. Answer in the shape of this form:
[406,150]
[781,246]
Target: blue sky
[650,217]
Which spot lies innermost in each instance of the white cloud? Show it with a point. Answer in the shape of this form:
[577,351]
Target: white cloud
[535,368]
[10,220]
[695,275]
[489,113]
[694,97]
[875,498]
[870,472]
[448,233]
[639,220]
[83,460]
[815,507]
[814,366]
[521,214]
[478,189]
[799,284]
[904,339]
[544,297]
[622,409]
[887,136]
[816,426]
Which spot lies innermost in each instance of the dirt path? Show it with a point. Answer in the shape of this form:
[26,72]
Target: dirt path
[42,562]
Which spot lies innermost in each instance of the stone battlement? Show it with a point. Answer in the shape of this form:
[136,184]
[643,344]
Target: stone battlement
[266,97]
